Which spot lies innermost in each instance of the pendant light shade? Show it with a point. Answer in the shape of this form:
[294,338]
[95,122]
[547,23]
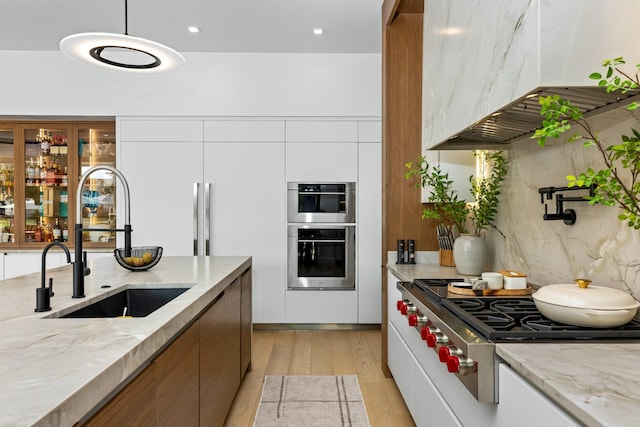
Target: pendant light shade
[122,52]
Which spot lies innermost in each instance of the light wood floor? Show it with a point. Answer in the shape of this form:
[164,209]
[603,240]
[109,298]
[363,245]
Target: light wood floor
[314,352]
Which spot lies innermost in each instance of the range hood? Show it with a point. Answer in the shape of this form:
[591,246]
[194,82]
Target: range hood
[521,118]
[482,82]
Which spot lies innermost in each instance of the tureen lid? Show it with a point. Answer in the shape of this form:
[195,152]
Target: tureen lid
[583,296]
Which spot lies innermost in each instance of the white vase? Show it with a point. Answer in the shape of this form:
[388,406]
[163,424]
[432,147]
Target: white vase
[470,254]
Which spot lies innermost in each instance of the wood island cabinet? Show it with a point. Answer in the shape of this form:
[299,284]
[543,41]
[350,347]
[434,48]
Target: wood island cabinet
[194,380]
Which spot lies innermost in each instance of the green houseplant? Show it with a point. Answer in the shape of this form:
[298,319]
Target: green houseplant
[444,198]
[470,252]
[617,183]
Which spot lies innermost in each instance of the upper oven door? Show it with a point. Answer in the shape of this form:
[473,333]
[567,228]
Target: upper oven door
[321,202]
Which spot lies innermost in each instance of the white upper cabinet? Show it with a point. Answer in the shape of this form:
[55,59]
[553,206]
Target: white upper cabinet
[244,130]
[322,150]
[322,131]
[160,130]
[479,56]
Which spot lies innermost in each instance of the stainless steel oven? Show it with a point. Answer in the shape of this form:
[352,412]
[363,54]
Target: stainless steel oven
[321,256]
[321,202]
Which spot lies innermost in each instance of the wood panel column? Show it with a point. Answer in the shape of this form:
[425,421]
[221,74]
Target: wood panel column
[402,22]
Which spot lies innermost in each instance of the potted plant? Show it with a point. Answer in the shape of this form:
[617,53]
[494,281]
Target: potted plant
[618,182]
[469,250]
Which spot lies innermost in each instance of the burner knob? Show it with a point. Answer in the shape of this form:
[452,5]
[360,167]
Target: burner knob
[403,308]
[425,331]
[445,352]
[421,321]
[453,364]
[460,365]
[436,340]
[399,304]
[413,319]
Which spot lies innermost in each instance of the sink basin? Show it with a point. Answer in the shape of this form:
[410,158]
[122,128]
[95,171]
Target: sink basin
[139,303]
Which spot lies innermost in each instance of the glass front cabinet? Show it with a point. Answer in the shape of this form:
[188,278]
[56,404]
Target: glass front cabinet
[40,168]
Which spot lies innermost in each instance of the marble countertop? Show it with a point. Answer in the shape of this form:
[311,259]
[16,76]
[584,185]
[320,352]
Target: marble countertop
[595,382]
[55,371]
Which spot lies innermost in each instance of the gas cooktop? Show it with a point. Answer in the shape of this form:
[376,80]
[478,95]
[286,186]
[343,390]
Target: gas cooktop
[503,319]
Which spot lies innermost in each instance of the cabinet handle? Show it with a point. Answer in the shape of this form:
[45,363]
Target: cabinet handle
[207,218]
[196,191]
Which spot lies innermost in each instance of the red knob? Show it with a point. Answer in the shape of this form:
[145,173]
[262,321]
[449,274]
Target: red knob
[444,354]
[453,364]
[424,332]
[431,340]
[413,319]
[399,304]
[403,309]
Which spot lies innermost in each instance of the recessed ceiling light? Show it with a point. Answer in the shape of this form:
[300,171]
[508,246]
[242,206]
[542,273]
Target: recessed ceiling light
[194,29]
[318,31]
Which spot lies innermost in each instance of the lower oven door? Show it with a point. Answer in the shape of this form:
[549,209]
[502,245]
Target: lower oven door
[321,257]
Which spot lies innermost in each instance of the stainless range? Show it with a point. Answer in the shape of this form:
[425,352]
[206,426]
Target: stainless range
[463,330]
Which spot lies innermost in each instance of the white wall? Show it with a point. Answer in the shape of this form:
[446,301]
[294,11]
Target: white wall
[221,84]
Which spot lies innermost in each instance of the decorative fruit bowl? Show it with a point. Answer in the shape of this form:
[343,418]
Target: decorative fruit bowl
[142,257]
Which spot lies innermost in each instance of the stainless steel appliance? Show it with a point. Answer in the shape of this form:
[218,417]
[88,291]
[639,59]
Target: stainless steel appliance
[463,330]
[321,202]
[321,256]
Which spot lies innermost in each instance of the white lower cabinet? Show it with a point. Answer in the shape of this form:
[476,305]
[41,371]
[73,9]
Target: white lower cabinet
[523,405]
[322,306]
[425,403]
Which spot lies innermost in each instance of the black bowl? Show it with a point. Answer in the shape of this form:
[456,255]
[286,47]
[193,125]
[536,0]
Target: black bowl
[142,257]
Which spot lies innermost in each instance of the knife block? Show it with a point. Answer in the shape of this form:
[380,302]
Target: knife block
[446,257]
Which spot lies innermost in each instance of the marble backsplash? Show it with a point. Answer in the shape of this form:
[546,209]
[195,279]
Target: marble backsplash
[598,246]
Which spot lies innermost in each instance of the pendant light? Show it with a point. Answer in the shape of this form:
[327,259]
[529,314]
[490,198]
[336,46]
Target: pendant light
[122,51]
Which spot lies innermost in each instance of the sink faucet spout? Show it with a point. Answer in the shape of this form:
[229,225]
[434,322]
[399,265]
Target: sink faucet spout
[79,263]
[44,294]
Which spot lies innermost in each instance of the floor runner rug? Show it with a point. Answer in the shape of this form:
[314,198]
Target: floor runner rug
[311,400]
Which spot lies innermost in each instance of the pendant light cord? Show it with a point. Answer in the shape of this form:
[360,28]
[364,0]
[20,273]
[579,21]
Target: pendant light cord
[126,24]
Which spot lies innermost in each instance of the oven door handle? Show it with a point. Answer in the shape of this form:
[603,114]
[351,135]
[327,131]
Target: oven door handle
[320,241]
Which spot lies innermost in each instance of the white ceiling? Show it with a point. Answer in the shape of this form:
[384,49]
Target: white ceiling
[351,26]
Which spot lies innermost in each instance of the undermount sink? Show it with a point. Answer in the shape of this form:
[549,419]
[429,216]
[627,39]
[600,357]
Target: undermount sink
[140,302]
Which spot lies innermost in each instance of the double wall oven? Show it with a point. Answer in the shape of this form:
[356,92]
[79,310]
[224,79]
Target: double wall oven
[321,235]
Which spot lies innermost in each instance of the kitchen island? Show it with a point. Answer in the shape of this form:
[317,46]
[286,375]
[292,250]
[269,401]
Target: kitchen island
[594,382]
[56,371]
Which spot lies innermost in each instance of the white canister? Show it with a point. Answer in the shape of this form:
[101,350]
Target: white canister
[514,279]
[494,280]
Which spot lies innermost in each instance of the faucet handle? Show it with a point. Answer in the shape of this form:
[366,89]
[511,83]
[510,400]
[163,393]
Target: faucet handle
[51,287]
[85,270]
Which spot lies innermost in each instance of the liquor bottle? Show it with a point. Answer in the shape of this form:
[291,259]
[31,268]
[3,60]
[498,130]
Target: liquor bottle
[64,178]
[45,145]
[48,233]
[65,231]
[64,203]
[57,231]
[50,177]
[31,172]
[37,236]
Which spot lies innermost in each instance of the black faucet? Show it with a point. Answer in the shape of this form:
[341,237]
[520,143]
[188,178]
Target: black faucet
[80,268]
[44,294]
